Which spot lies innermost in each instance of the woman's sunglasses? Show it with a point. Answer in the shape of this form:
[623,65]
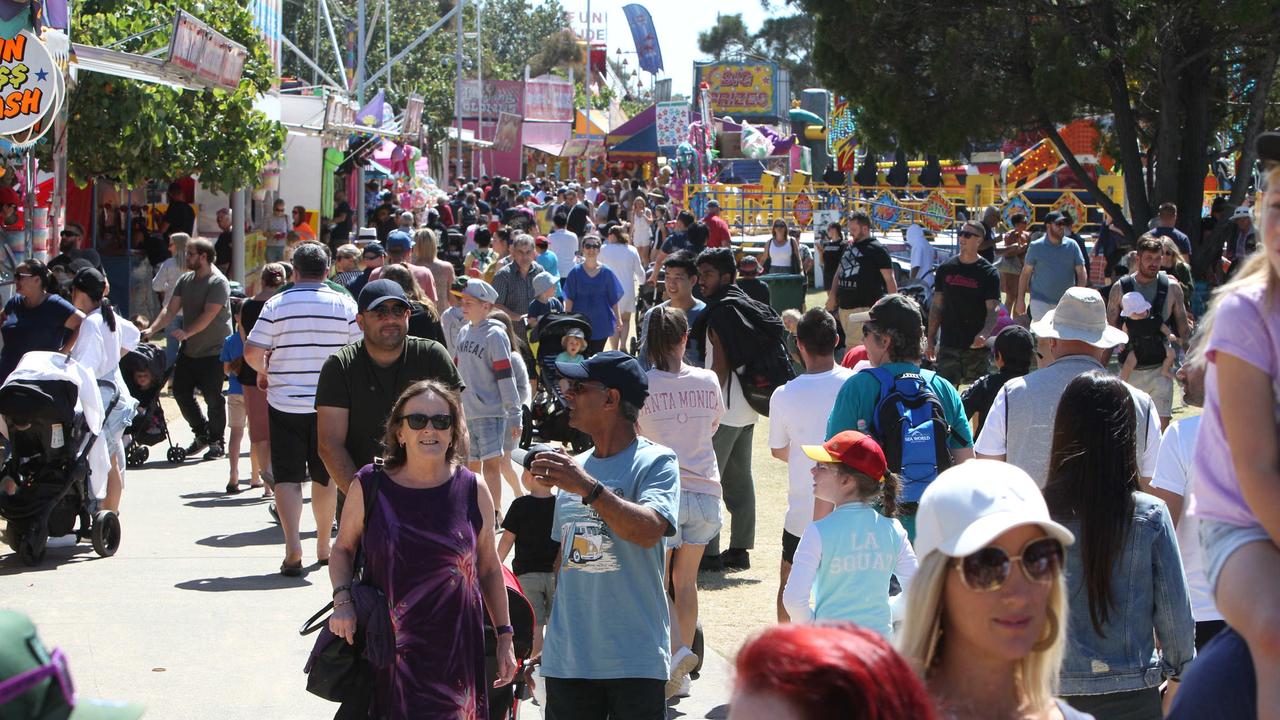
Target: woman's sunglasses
[591,246]
[968,234]
[12,688]
[989,568]
[418,421]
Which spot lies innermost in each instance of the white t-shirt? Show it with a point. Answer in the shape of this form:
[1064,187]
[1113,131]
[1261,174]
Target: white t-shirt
[737,412]
[682,412]
[591,194]
[97,348]
[564,243]
[780,256]
[624,261]
[922,254]
[1173,474]
[798,415]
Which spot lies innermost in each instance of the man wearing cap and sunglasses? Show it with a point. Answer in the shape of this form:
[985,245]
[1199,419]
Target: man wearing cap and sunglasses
[360,383]
[607,645]
[1019,426]
[963,311]
[1049,268]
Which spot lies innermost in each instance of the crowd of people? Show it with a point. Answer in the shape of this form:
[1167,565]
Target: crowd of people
[392,367]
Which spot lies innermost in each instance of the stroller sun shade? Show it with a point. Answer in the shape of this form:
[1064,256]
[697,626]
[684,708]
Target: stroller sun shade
[48,401]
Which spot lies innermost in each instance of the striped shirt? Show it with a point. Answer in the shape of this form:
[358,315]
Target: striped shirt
[301,327]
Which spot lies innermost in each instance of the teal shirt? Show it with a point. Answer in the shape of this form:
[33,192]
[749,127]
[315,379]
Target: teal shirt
[856,404]
[609,619]
[860,550]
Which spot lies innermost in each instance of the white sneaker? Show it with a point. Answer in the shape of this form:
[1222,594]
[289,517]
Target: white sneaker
[683,661]
[685,688]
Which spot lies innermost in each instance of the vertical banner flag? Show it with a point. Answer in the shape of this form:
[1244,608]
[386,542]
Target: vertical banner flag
[645,36]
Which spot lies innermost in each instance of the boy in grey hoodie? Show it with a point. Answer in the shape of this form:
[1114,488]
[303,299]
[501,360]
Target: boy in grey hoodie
[491,401]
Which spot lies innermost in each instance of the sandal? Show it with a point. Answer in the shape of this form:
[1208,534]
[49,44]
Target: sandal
[232,488]
[289,569]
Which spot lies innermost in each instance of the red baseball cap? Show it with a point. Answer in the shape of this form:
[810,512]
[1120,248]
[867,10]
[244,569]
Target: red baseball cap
[853,449]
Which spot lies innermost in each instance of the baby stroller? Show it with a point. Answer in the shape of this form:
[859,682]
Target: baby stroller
[504,702]
[549,416]
[47,458]
[145,374]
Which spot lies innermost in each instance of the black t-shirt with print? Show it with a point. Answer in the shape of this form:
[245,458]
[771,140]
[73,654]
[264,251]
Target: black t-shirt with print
[965,288]
[859,282]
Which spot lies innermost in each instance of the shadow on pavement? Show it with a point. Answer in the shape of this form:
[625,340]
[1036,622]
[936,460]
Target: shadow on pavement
[269,535]
[718,712]
[717,581]
[223,500]
[271,581]
[54,558]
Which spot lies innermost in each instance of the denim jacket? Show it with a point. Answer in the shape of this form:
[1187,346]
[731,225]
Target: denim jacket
[1149,593]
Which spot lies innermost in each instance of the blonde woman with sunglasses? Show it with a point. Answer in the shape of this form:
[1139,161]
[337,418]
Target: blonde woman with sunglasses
[985,612]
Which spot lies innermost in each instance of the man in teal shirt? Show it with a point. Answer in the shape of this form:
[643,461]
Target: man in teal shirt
[893,332]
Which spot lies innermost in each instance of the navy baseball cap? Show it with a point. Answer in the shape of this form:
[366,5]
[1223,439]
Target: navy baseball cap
[615,370]
[377,292]
[399,241]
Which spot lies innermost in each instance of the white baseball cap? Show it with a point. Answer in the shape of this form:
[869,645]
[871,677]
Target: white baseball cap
[1081,315]
[480,290]
[971,504]
[1133,303]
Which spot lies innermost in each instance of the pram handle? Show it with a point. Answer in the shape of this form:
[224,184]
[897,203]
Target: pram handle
[311,625]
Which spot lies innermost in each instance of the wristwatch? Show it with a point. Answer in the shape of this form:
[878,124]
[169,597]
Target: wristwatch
[594,494]
[504,630]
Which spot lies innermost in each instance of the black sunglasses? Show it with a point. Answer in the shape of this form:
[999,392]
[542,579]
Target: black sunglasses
[418,421]
[989,568]
[591,246]
[394,310]
[71,233]
[968,234]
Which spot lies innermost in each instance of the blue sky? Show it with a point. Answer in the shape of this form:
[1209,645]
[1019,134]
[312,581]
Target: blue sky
[678,23]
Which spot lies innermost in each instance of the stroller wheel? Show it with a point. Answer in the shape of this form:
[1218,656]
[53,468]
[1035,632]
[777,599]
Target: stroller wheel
[177,455]
[31,549]
[137,455]
[106,533]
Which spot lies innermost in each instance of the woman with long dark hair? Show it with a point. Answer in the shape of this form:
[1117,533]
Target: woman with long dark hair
[1124,574]
[36,317]
[429,547]
[832,250]
[782,253]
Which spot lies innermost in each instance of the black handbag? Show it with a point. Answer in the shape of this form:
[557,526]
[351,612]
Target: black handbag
[336,670]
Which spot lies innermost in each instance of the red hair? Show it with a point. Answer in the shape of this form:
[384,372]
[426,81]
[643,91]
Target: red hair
[816,668]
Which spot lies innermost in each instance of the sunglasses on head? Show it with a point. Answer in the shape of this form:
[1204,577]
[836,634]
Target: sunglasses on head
[21,275]
[989,568]
[12,688]
[418,421]
[968,234]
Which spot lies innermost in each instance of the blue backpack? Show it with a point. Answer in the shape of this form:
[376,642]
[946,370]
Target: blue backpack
[912,429]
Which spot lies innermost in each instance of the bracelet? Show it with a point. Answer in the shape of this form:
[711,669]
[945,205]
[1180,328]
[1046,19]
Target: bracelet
[504,630]
[339,603]
[340,588]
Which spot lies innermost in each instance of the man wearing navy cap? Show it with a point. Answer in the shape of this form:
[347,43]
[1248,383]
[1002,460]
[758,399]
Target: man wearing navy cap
[608,641]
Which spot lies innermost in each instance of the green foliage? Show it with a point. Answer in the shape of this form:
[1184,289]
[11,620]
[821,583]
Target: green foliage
[131,131]
[786,40]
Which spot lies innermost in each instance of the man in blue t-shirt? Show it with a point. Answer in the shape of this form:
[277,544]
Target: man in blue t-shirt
[608,641]
[1050,268]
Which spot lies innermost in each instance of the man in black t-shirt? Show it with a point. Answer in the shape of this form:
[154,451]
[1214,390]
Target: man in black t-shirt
[865,275]
[359,384]
[222,247]
[578,215]
[179,216]
[965,292]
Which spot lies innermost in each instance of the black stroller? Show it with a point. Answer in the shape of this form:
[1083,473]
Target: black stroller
[549,417]
[47,459]
[145,374]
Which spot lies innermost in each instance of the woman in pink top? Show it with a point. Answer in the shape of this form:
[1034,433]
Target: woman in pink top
[682,412]
[1236,488]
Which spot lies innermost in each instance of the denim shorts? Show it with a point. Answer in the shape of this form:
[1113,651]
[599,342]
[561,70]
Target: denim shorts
[699,519]
[509,442]
[486,437]
[1219,540]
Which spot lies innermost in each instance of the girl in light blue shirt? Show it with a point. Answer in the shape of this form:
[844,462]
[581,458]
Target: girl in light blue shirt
[844,561]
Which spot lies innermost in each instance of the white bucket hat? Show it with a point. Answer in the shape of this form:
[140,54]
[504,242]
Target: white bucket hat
[971,504]
[1133,303]
[1081,315]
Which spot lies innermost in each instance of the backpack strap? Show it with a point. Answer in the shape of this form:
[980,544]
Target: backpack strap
[1127,284]
[1162,293]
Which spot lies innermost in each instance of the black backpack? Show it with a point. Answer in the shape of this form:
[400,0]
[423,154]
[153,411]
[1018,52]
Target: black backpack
[1145,338]
[767,366]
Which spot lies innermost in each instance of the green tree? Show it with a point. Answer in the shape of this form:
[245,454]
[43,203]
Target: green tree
[131,131]
[727,38]
[1160,70]
[786,40]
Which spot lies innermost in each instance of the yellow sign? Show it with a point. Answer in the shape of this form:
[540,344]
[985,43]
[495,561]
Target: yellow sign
[739,89]
[980,190]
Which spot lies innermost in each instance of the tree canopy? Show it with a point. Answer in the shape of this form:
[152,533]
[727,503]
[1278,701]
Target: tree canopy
[941,75]
[784,39]
[131,131]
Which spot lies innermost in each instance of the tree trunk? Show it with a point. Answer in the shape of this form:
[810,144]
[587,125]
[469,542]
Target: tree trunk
[1169,134]
[1131,156]
[1255,122]
[1196,134]
[1111,206]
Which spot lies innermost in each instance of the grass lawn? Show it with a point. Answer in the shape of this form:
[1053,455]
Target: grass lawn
[735,605]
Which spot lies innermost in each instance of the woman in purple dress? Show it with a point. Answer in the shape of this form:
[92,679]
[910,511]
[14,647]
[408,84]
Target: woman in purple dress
[430,548]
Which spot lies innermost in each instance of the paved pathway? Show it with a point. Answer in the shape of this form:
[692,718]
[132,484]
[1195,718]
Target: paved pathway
[191,617]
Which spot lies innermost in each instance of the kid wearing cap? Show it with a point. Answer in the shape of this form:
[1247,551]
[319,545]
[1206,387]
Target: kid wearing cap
[574,343]
[491,400]
[846,559]
[451,320]
[1135,313]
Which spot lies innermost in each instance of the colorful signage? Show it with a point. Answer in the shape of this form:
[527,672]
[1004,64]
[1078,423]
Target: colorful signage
[206,53]
[548,99]
[28,83]
[739,89]
[499,96]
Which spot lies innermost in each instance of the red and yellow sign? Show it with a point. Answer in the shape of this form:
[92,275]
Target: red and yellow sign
[802,210]
[739,89]
[937,212]
[28,82]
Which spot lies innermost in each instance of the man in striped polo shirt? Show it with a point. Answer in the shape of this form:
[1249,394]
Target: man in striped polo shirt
[298,330]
